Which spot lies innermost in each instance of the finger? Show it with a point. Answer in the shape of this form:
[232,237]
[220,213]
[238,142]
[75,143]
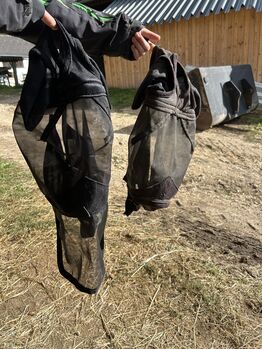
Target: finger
[151,45]
[49,20]
[148,34]
[135,52]
[142,42]
[139,47]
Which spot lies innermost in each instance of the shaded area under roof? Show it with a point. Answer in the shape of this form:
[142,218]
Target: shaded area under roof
[159,11]
[13,49]
[96,4]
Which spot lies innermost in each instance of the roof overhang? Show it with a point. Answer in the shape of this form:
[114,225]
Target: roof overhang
[160,11]
[99,4]
[13,48]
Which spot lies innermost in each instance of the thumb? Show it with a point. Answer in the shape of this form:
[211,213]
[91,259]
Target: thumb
[49,21]
[151,36]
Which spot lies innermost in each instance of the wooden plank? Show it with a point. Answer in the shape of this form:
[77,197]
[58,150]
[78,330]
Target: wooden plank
[182,35]
[192,39]
[247,27]
[251,43]
[222,59]
[218,37]
[120,70]
[179,40]
[240,36]
[256,39]
[165,39]
[166,34]
[186,42]
[113,76]
[189,44]
[210,42]
[234,37]
[259,43]
[229,38]
[107,70]
[173,44]
[197,36]
[202,33]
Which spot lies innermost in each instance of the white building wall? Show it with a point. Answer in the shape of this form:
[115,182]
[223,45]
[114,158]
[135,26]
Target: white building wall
[21,71]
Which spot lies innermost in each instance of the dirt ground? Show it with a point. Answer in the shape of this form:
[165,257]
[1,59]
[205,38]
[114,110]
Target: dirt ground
[221,199]
[218,209]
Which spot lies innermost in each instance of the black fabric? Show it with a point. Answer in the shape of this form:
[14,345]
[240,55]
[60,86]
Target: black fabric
[15,15]
[162,140]
[59,72]
[38,10]
[63,128]
[112,37]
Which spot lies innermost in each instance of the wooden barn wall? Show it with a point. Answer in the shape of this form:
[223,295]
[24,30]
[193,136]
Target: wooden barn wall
[224,39]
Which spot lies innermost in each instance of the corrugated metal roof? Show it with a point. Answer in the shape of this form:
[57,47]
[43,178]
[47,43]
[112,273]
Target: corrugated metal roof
[159,11]
[13,47]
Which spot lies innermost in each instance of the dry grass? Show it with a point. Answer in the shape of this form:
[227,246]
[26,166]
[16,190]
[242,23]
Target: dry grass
[189,277]
[160,291]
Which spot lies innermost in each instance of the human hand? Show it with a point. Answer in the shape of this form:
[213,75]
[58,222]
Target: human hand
[49,21]
[143,42]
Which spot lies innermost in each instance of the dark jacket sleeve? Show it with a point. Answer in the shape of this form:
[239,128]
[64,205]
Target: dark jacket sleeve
[99,32]
[16,15]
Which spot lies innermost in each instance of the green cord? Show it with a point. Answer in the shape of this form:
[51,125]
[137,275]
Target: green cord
[92,13]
